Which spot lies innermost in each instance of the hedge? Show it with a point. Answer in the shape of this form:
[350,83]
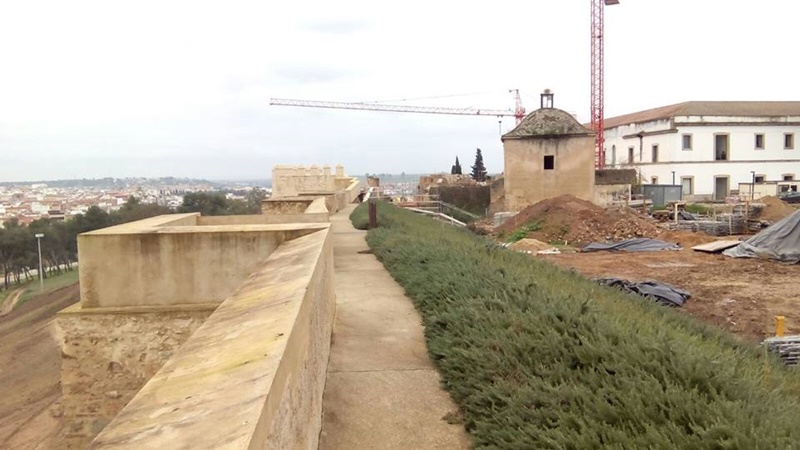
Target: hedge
[541,358]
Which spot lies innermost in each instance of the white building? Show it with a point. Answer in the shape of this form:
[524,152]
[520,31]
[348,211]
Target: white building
[708,147]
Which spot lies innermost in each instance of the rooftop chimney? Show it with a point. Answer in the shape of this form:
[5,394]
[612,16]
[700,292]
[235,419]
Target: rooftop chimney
[547,99]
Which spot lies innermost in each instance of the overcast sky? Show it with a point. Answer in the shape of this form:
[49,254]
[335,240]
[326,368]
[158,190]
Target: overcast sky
[140,88]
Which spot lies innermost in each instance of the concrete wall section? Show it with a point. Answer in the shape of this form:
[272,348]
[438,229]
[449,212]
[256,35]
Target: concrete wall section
[276,206]
[528,182]
[107,356]
[174,265]
[266,219]
[612,194]
[352,190]
[252,375]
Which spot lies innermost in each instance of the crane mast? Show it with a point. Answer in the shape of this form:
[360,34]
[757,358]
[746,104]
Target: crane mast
[598,78]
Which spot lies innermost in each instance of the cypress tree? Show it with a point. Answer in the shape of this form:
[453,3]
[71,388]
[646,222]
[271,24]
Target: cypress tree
[456,169]
[478,170]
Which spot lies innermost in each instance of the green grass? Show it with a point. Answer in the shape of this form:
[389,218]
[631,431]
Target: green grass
[523,232]
[541,358]
[695,208]
[51,283]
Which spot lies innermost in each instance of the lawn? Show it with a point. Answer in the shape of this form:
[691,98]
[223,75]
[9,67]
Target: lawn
[541,358]
[51,283]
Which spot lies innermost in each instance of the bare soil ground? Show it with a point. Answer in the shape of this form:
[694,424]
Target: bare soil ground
[742,296]
[30,364]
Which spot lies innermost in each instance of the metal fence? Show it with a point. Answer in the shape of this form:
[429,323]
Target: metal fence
[662,194]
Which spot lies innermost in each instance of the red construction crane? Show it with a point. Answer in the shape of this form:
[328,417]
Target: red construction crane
[518,113]
[598,80]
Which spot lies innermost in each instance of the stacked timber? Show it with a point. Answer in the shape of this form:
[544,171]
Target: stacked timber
[787,348]
[721,227]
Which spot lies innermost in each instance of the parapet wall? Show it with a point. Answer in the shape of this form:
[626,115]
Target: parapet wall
[253,374]
[147,286]
[152,262]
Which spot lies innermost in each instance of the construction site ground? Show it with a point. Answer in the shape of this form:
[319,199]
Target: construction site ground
[742,296]
[30,371]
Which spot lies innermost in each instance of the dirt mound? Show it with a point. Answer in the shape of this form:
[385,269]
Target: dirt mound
[530,245]
[576,221]
[775,209]
[687,239]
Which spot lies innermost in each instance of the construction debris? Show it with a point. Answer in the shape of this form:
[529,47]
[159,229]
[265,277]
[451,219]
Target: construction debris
[661,293]
[774,209]
[786,348]
[569,219]
[781,242]
[632,245]
[533,246]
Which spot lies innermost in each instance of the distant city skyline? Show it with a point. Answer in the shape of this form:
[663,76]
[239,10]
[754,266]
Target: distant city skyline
[92,89]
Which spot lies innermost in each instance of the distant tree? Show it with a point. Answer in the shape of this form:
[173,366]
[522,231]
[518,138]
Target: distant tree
[133,209]
[478,169]
[254,199]
[456,169]
[94,219]
[206,203]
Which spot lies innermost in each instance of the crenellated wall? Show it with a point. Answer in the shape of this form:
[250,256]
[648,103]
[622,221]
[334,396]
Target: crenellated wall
[291,182]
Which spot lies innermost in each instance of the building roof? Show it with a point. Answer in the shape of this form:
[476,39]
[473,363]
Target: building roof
[729,109]
[548,122]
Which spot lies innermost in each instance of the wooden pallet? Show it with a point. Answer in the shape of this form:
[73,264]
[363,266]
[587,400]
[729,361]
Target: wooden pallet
[716,246]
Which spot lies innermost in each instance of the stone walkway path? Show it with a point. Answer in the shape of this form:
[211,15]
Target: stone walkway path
[382,391]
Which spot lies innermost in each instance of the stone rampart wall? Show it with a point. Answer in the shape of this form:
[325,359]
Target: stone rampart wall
[107,357]
[253,374]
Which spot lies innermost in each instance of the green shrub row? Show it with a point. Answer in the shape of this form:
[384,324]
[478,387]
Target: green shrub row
[541,358]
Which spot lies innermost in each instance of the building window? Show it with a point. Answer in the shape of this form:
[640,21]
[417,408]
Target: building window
[687,185]
[721,142]
[655,153]
[788,177]
[630,155]
[687,142]
[653,180]
[788,141]
[759,141]
[549,162]
[760,178]
[613,155]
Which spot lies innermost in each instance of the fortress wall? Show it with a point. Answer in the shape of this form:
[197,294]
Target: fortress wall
[252,376]
[107,356]
[174,265]
[147,286]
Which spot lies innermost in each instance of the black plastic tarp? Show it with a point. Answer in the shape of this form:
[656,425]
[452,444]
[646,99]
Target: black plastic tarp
[662,293]
[632,245]
[781,241]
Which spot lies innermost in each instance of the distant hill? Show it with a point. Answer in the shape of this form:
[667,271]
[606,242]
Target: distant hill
[113,183]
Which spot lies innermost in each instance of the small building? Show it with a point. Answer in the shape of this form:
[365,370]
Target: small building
[709,148]
[548,154]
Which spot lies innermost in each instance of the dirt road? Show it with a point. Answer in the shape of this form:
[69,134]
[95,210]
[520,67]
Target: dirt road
[30,362]
[740,295]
